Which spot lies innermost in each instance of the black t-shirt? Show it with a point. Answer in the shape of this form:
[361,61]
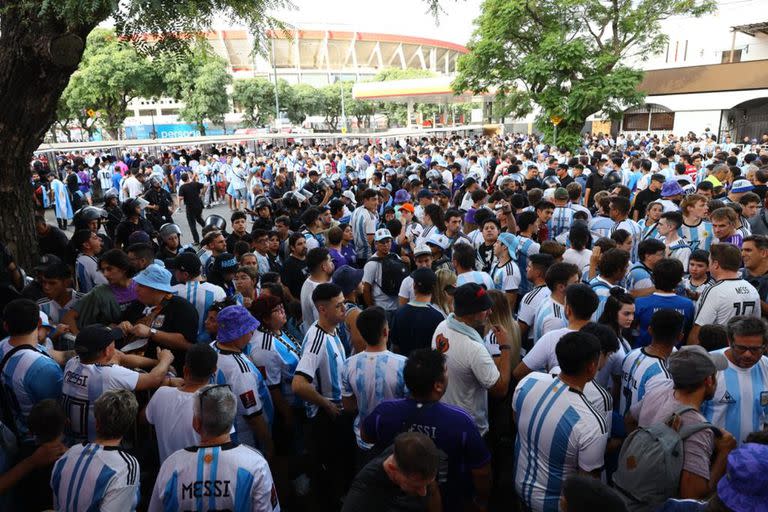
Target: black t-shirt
[294,274]
[485,254]
[233,238]
[373,491]
[190,192]
[565,181]
[595,184]
[760,190]
[177,315]
[643,199]
[54,242]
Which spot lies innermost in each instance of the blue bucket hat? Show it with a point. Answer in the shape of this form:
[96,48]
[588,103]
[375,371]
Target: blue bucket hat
[234,321]
[511,242]
[155,277]
[744,487]
[347,278]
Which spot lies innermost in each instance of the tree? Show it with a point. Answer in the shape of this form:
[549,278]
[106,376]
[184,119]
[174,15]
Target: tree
[256,98]
[41,45]
[299,101]
[110,76]
[568,58]
[207,97]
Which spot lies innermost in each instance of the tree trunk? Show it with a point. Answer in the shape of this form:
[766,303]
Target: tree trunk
[34,70]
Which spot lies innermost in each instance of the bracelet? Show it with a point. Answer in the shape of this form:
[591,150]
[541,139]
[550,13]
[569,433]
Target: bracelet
[505,347]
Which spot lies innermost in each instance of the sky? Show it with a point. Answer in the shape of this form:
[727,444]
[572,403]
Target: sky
[402,17]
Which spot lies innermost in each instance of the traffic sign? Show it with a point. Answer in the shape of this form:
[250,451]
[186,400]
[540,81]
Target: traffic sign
[555,120]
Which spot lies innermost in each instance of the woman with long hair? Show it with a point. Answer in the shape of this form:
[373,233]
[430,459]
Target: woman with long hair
[649,223]
[619,315]
[580,238]
[433,222]
[440,298]
[502,316]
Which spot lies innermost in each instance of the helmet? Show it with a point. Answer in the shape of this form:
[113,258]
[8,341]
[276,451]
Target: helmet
[129,206]
[216,221]
[551,181]
[169,229]
[87,214]
[433,175]
[612,179]
[262,202]
[109,194]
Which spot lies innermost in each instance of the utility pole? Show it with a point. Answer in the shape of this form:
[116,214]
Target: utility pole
[277,100]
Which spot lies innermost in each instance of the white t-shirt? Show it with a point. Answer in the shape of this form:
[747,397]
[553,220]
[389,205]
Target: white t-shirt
[406,289]
[542,356]
[471,372]
[308,309]
[724,300]
[578,258]
[372,276]
[133,186]
[170,411]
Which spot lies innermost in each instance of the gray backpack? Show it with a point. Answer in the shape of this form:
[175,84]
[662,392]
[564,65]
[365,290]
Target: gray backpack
[651,461]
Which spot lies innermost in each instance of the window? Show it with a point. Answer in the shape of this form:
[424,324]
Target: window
[662,121]
[169,111]
[726,57]
[649,121]
[147,112]
[636,122]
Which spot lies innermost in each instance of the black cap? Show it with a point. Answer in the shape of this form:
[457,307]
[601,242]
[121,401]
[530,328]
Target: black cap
[46,260]
[470,298]
[95,337]
[225,262]
[424,278]
[187,262]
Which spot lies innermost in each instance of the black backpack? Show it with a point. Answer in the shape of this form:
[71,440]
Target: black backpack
[393,271]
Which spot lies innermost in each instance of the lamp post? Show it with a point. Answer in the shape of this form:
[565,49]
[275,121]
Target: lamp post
[556,120]
[343,113]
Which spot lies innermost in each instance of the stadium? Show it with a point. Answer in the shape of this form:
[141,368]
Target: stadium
[317,57]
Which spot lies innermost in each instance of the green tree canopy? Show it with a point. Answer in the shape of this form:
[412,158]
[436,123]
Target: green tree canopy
[569,58]
[256,98]
[206,96]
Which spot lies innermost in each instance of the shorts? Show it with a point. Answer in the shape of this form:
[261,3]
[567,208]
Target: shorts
[240,193]
[221,187]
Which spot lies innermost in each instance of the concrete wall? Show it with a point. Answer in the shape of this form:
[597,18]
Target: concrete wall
[696,121]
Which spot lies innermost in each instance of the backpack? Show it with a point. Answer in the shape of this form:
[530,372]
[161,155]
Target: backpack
[393,271]
[651,461]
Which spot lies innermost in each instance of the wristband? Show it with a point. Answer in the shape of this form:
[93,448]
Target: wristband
[505,347]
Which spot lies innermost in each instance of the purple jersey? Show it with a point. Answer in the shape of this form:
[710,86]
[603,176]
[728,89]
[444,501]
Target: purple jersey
[451,428]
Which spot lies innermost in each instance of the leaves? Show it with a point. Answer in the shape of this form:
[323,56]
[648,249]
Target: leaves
[564,56]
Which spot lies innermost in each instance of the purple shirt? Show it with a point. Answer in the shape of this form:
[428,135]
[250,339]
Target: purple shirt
[338,259]
[348,251]
[450,427]
[124,296]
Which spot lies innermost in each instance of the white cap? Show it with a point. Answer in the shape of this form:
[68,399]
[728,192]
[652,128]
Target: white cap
[382,234]
[350,195]
[421,250]
[439,240]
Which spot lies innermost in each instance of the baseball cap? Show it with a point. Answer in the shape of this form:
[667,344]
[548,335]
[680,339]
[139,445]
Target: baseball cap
[560,194]
[438,240]
[233,322]
[382,234]
[740,186]
[95,337]
[424,278]
[225,262]
[347,278]
[402,196]
[745,484]
[421,250]
[424,194]
[155,277]
[671,188]
[187,262]
[511,242]
[407,206]
[470,298]
[350,195]
[691,364]
[45,261]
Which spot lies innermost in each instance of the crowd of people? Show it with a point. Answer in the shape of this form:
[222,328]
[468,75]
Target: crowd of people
[440,324]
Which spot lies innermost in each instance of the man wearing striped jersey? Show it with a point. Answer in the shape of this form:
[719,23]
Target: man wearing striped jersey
[28,374]
[99,475]
[59,296]
[562,215]
[217,474]
[506,273]
[318,381]
[612,267]
[169,410]
[639,282]
[619,213]
[255,410]
[559,431]
[696,229]
[676,247]
[463,260]
[88,244]
[364,222]
[740,404]
[551,313]
[538,264]
[374,375]
[528,224]
[92,373]
[201,294]
[730,295]
[601,224]
[646,367]
[580,303]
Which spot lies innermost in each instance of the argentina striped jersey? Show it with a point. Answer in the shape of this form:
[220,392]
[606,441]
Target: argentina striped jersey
[202,295]
[322,364]
[640,372]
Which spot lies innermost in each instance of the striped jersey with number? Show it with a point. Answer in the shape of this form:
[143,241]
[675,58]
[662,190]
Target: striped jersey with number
[562,218]
[202,295]
[740,404]
[640,372]
[54,310]
[559,434]
[372,377]
[223,477]
[506,277]
[94,477]
[699,236]
[322,364]
[725,299]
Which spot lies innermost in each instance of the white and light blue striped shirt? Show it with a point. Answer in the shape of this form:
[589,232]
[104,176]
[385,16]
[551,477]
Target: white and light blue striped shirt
[699,236]
[740,404]
[202,295]
[559,434]
[549,317]
[640,372]
[322,364]
[477,277]
[94,477]
[372,377]
[562,218]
